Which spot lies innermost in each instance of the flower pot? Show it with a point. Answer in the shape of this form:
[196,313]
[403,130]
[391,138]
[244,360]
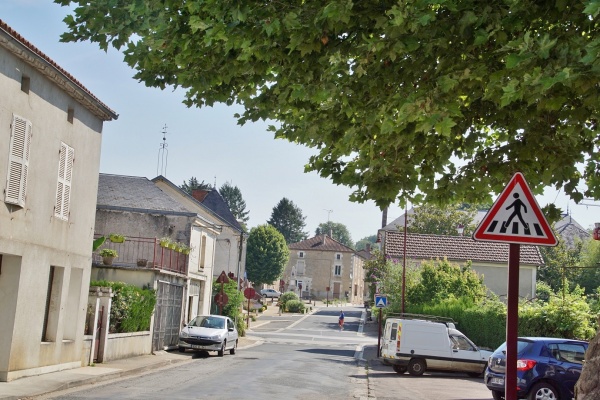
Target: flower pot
[108,260]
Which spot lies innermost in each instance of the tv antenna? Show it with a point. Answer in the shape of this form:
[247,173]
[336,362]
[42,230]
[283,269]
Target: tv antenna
[328,213]
[163,155]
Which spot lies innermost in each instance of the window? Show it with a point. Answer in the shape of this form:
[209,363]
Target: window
[301,254]
[50,327]
[70,114]
[65,178]
[338,256]
[18,161]
[568,352]
[394,331]
[202,252]
[25,82]
[300,267]
[337,270]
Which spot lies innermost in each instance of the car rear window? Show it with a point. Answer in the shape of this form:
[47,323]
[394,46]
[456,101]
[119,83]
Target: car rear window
[521,346]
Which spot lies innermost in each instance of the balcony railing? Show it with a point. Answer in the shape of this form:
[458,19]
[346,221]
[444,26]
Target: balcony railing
[141,252]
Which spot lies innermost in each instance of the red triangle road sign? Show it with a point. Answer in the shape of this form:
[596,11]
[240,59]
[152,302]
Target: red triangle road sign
[516,217]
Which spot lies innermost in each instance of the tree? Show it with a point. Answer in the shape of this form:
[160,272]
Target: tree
[193,184]
[337,230]
[287,218]
[431,100]
[233,197]
[266,255]
[442,220]
[589,261]
[560,264]
[362,243]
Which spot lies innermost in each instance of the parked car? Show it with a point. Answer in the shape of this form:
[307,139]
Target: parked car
[209,333]
[547,368]
[428,343]
[270,293]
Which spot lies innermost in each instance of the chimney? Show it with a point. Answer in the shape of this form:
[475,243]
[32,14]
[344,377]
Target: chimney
[199,194]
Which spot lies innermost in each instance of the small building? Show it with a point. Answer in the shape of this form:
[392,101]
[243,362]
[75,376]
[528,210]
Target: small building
[489,259]
[321,267]
[49,161]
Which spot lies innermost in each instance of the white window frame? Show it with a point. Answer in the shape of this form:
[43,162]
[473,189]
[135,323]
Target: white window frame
[338,256]
[18,161]
[337,270]
[300,254]
[66,160]
[300,267]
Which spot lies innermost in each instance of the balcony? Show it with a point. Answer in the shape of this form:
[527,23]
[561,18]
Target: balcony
[134,250]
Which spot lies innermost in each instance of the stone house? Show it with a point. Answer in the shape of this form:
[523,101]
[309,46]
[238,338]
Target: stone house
[145,211]
[322,262]
[50,158]
[489,259]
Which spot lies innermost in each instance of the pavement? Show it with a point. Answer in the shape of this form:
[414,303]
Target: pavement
[39,385]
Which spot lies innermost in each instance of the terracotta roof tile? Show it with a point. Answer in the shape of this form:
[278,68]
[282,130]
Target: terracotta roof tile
[320,243]
[455,248]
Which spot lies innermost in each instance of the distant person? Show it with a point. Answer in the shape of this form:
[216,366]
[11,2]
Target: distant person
[341,320]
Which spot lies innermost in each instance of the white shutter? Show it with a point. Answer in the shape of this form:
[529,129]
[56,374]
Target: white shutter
[65,178]
[18,161]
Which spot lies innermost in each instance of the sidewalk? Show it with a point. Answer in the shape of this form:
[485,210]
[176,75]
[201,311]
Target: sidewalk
[56,381]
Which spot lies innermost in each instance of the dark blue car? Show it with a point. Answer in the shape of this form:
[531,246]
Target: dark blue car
[547,368]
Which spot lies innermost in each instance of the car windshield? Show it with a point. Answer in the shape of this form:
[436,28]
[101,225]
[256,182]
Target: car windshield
[208,322]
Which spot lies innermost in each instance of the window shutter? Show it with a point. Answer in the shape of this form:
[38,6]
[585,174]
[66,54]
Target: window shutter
[18,161]
[65,178]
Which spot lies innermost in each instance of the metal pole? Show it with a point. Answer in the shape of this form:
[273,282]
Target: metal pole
[379,336]
[404,259]
[239,269]
[512,322]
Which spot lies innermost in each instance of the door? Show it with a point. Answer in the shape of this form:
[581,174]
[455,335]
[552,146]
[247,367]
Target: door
[336,290]
[167,319]
[391,338]
[465,355]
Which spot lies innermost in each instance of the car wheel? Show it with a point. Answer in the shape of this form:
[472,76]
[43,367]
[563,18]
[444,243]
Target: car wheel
[543,391]
[416,367]
[498,395]
[233,349]
[181,349]
[222,351]
[400,369]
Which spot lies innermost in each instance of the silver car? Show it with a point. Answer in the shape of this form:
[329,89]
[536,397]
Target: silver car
[272,293]
[209,333]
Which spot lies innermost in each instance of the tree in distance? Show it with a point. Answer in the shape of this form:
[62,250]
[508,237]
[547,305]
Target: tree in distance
[418,101]
[287,218]
[193,184]
[362,243]
[233,197]
[266,255]
[337,231]
[445,220]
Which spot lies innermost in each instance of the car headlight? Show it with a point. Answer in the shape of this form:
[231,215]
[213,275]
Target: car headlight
[183,334]
[215,337]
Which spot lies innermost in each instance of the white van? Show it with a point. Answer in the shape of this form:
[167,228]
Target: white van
[416,345]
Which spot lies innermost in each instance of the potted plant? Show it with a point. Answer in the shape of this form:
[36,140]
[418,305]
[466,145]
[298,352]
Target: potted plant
[142,262]
[165,242]
[116,238]
[108,255]
[184,249]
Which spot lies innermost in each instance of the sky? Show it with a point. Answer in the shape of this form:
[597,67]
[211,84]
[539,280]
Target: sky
[206,143]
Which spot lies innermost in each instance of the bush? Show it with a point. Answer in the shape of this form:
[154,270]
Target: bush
[285,298]
[295,306]
[131,308]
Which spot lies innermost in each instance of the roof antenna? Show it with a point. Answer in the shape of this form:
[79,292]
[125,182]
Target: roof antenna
[163,155]
[215,185]
[328,213]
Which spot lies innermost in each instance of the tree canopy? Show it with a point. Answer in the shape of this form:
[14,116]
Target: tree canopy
[411,100]
[362,243]
[287,218]
[266,255]
[233,197]
[193,184]
[337,230]
[442,220]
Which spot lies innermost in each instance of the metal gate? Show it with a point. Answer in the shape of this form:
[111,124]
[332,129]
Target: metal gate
[167,319]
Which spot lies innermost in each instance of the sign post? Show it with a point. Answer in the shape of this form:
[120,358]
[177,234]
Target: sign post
[221,298]
[381,303]
[249,293]
[515,218]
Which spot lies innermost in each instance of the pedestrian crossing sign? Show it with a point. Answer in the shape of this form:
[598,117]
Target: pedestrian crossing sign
[380,301]
[516,218]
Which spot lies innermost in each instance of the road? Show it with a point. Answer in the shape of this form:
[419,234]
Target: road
[301,357]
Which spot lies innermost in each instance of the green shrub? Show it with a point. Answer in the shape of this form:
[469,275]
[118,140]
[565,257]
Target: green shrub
[131,308]
[286,297]
[295,306]
[234,304]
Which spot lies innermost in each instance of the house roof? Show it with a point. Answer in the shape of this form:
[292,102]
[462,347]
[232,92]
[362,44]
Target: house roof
[26,51]
[455,248]
[211,200]
[320,243]
[136,194]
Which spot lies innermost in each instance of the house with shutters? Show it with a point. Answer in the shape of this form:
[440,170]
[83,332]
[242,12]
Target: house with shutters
[51,127]
[489,259]
[321,267]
